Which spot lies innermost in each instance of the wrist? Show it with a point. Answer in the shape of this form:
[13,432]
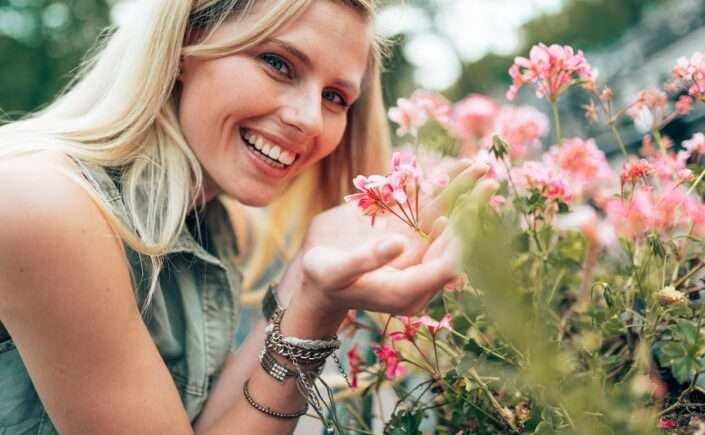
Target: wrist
[308,317]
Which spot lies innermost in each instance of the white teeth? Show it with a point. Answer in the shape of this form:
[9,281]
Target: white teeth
[286,157]
[270,150]
[259,142]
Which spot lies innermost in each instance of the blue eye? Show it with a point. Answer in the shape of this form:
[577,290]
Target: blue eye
[277,63]
[335,97]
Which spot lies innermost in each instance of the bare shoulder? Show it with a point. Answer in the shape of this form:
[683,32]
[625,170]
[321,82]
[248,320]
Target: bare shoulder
[66,299]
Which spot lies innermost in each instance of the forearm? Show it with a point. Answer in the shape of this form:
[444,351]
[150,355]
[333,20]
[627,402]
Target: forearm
[227,408]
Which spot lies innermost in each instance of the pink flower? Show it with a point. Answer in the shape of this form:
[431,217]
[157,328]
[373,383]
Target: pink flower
[474,116]
[408,115]
[664,423]
[690,73]
[551,69]
[390,358]
[435,106]
[649,210]
[544,178]
[666,165]
[376,194]
[411,114]
[434,326]
[634,172]
[409,332]
[696,144]
[582,163]
[648,109]
[496,202]
[354,361]
[684,104]
[521,127]
[685,175]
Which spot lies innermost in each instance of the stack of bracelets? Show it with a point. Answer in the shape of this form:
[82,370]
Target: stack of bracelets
[307,358]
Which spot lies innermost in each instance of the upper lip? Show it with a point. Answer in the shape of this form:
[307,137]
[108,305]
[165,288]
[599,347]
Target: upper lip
[282,143]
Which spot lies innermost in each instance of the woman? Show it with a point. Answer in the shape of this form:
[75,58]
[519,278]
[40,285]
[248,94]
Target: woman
[118,298]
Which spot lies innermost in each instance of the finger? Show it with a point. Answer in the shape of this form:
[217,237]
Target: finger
[477,197]
[331,268]
[438,226]
[404,290]
[444,202]
[458,167]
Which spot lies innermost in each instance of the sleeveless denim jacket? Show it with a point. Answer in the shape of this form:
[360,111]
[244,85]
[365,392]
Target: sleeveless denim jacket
[192,316]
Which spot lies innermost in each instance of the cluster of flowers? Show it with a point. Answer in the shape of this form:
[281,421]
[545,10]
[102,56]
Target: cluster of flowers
[570,186]
[396,193]
[387,355]
[473,121]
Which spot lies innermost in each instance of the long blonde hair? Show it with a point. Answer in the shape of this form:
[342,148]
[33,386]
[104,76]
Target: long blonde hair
[120,112]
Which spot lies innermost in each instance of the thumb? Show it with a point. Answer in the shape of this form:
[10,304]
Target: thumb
[331,268]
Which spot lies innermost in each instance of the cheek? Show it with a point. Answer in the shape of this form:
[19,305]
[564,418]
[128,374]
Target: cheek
[335,130]
[218,93]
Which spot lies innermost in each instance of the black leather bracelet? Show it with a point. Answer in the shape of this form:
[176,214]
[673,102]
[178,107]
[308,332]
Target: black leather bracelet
[266,409]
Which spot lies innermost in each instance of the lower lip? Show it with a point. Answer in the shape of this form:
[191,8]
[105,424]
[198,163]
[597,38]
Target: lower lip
[264,167]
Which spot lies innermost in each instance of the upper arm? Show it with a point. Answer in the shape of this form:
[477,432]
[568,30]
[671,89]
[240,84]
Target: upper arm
[67,301]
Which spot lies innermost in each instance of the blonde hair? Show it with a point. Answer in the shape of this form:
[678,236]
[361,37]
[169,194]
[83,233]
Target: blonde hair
[120,112]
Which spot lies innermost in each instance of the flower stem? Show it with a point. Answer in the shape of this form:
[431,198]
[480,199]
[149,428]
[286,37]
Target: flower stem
[557,122]
[659,140]
[696,182]
[618,137]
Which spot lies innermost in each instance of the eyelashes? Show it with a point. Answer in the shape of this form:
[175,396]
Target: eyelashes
[284,69]
[278,64]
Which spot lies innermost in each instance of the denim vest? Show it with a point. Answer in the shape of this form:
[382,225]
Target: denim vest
[191,318]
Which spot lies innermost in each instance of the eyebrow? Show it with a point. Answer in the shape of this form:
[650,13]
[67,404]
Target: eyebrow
[303,57]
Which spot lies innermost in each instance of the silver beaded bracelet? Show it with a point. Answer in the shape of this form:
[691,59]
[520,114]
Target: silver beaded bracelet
[266,409]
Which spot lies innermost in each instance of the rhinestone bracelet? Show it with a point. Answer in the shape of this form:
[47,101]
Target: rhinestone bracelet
[280,372]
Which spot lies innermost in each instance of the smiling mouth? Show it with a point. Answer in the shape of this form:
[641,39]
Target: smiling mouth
[271,154]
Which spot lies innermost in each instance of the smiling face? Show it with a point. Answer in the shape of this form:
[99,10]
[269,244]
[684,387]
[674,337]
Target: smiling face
[258,118]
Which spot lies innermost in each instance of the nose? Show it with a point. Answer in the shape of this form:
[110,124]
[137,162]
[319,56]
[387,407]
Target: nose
[302,110]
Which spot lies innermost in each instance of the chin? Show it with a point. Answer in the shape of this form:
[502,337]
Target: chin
[256,199]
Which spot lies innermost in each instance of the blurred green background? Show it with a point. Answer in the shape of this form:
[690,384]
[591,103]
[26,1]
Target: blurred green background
[42,41]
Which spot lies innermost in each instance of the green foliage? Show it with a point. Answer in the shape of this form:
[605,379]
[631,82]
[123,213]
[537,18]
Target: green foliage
[41,43]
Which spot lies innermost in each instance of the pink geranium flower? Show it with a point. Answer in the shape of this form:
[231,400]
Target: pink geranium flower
[583,164]
[408,115]
[634,172]
[354,361]
[474,116]
[545,179]
[695,145]
[434,326]
[551,69]
[411,114]
[375,196]
[409,332]
[390,359]
[521,127]
[690,73]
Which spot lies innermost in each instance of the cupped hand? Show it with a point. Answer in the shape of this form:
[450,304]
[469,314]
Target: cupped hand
[388,268]
[345,227]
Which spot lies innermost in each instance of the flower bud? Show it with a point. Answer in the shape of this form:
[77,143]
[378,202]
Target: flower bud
[669,296]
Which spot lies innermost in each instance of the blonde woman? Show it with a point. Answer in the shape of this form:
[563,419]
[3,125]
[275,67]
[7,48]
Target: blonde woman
[118,296]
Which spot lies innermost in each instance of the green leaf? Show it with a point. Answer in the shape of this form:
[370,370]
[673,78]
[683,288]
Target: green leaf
[687,331]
